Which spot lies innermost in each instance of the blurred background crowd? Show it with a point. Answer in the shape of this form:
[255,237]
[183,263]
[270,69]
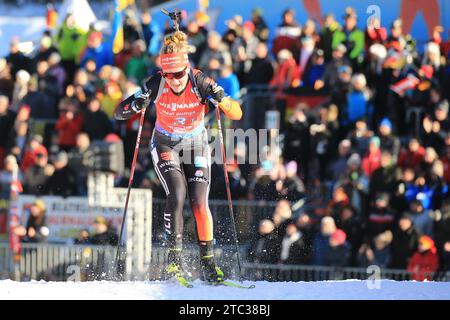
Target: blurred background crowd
[369,166]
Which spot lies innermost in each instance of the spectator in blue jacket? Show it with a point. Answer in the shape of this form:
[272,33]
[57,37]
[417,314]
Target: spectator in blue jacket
[229,82]
[321,241]
[99,49]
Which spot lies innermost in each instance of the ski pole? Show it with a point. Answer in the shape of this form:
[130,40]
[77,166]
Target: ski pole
[130,182]
[227,183]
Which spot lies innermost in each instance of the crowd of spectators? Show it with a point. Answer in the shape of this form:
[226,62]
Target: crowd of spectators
[372,161]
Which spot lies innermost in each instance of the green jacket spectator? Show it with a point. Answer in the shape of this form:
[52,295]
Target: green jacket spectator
[350,36]
[70,40]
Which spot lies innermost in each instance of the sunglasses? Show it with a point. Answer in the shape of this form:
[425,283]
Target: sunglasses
[175,75]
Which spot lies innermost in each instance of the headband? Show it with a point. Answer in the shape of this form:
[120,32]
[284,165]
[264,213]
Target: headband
[172,61]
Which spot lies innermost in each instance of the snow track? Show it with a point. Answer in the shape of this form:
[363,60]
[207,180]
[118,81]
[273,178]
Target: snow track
[155,290]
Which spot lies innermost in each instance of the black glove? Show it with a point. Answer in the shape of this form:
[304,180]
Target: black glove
[141,99]
[217,92]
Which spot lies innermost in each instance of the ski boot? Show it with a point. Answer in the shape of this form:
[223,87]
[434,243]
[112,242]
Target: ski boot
[175,269]
[210,272]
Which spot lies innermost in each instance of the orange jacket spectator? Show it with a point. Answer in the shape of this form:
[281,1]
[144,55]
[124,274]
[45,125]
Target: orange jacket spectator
[425,261]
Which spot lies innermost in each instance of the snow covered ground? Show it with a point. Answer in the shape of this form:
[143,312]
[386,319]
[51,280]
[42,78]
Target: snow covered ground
[155,290]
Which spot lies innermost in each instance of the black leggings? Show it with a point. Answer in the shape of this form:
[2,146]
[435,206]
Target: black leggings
[184,166]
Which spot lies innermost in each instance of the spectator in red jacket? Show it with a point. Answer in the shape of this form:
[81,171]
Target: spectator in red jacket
[375,33]
[69,124]
[34,148]
[413,156]
[372,160]
[287,75]
[425,261]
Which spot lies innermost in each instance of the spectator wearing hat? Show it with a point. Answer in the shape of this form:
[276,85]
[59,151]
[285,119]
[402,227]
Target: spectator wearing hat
[100,48]
[37,230]
[292,246]
[378,252]
[63,181]
[338,250]
[351,37]
[261,29]
[425,261]
[405,242]
[314,70]
[388,141]
[104,234]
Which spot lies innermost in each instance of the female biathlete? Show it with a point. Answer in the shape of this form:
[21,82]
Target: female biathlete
[179,146]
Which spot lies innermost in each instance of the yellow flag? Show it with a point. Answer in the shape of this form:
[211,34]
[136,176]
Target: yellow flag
[123,4]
